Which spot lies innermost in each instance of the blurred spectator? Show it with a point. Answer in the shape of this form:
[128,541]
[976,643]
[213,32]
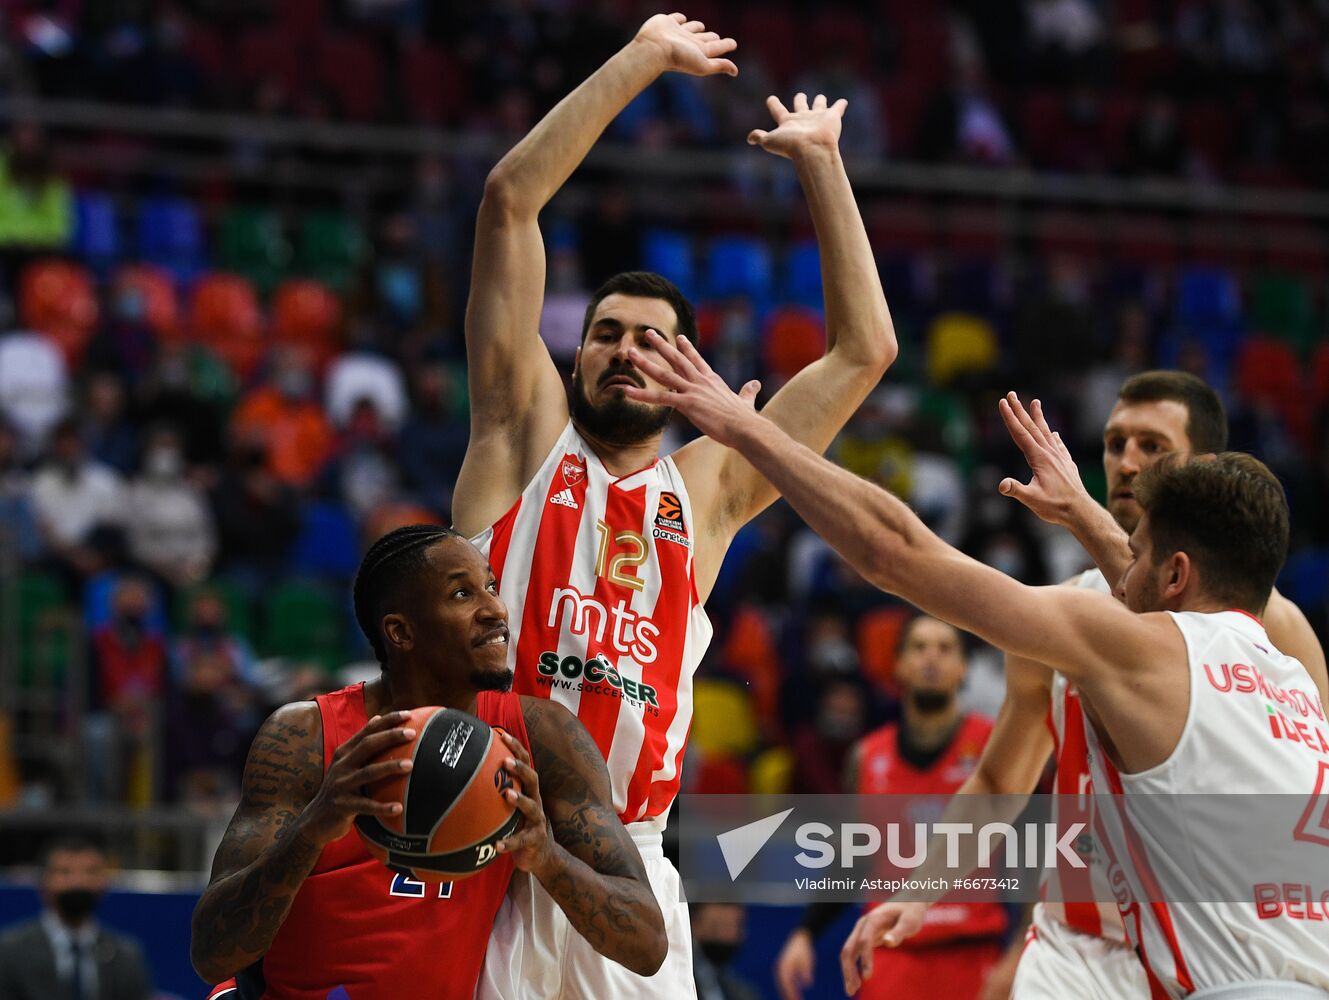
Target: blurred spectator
[718,932]
[287,418]
[111,437]
[433,440]
[363,472]
[189,387]
[33,388]
[564,309]
[66,952]
[258,516]
[170,525]
[125,343]
[209,726]
[822,746]
[128,663]
[964,124]
[36,204]
[18,519]
[74,495]
[207,630]
[1154,144]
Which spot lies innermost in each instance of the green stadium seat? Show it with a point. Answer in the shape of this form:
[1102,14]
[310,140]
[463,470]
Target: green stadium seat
[239,610]
[45,629]
[331,247]
[252,244]
[304,622]
[1282,306]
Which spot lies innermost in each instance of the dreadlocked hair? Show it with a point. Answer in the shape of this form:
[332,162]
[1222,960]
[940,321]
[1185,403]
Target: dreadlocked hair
[392,567]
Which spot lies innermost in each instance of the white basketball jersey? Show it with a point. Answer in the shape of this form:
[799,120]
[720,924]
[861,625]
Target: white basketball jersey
[1081,898]
[1254,725]
[597,574]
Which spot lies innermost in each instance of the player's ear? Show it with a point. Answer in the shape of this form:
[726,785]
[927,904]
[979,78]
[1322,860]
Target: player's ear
[397,631]
[1178,574]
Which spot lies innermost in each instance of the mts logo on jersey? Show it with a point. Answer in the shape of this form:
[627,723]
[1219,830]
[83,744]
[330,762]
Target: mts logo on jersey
[631,634]
[669,524]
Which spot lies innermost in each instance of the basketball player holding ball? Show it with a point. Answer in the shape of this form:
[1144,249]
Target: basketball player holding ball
[296,906]
[604,550]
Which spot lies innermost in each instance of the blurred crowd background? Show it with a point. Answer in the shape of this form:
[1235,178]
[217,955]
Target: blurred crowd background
[234,245]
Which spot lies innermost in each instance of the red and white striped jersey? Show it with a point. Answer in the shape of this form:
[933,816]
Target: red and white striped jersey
[1254,725]
[1081,898]
[597,574]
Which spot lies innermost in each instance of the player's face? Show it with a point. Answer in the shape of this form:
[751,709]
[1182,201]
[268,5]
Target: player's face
[931,659]
[1136,436]
[603,369]
[462,622]
[1141,588]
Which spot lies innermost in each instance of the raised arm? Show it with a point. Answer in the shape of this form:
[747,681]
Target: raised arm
[289,810]
[518,404]
[1118,657]
[573,842]
[860,338]
[1293,636]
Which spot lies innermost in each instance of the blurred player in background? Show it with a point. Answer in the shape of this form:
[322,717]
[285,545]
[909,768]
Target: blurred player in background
[604,550]
[297,906]
[931,751]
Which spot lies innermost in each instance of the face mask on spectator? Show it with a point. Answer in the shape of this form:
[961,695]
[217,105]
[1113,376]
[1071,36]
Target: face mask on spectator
[164,463]
[75,905]
[719,953]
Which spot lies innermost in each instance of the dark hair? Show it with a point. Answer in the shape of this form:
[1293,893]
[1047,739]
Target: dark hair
[1206,422]
[72,842]
[907,629]
[1228,513]
[645,285]
[391,569]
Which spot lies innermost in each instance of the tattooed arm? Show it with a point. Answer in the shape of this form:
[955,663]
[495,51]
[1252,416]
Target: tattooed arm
[589,865]
[289,810]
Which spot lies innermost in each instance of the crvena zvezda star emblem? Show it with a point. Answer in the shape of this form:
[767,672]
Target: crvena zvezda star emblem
[573,471]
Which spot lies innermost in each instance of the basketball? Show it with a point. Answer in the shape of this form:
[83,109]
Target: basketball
[453,809]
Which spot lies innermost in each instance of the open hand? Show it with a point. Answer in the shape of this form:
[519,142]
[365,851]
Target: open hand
[687,47]
[692,388]
[1056,486]
[806,127]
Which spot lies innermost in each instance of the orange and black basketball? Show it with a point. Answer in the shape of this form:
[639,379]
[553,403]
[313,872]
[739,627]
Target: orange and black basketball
[453,808]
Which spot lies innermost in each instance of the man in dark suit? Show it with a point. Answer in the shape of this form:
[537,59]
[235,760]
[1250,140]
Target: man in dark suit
[65,954]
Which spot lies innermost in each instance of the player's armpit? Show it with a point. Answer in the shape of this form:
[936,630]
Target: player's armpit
[262,859]
[1293,636]
[602,886]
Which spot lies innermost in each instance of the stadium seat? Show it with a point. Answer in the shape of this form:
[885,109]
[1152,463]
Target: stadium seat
[771,772]
[96,232]
[1074,233]
[304,623]
[972,231]
[161,305]
[1320,375]
[878,639]
[350,67]
[170,234]
[271,54]
[328,544]
[306,313]
[434,82]
[669,252]
[1268,373]
[225,316]
[959,344]
[1146,241]
[739,265]
[1305,578]
[330,248]
[97,594]
[1282,306]
[903,102]
[57,299]
[839,34]
[723,722]
[239,609]
[801,282]
[793,338]
[251,243]
[1301,249]
[43,646]
[775,38]
[1208,310]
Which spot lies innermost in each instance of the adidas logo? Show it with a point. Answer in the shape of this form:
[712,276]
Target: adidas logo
[564,498]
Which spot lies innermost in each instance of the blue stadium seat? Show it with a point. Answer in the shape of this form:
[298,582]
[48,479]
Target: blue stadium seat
[1305,577]
[801,283]
[328,544]
[739,265]
[170,234]
[1207,296]
[669,252]
[96,235]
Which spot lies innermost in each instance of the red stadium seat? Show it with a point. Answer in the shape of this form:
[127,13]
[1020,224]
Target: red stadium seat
[795,336]
[225,316]
[350,67]
[976,231]
[775,36]
[57,299]
[1147,241]
[308,314]
[161,305]
[1074,233]
[903,103]
[1298,248]
[1268,373]
[272,54]
[434,82]
[878,638]
[1320,376]
[903,227]
[840,34]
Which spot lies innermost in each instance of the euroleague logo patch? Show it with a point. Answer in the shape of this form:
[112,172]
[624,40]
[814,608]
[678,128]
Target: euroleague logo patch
[669,521]
[574,470]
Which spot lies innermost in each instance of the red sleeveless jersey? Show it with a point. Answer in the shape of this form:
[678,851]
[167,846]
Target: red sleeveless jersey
[882,770]
[359,931]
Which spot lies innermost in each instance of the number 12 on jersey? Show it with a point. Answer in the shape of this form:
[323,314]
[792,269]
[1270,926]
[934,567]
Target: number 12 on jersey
[615,568]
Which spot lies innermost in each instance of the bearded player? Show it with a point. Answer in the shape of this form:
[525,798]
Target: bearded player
[605,551]
[1211,538]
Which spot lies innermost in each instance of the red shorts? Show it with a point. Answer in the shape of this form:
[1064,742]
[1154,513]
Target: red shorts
[953,969]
